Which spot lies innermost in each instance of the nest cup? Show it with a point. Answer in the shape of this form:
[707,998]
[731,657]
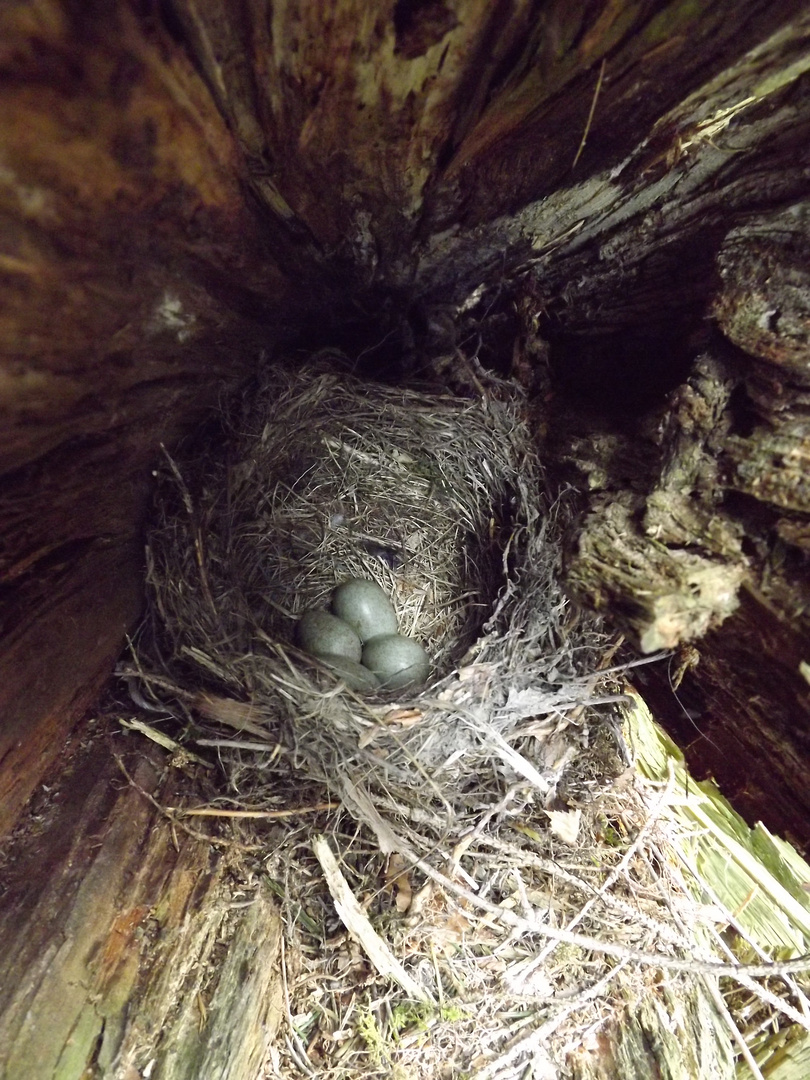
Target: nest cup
[437,499]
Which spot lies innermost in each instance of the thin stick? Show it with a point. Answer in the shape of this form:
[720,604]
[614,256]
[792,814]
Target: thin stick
[171,816]
[239,744]
[360,929]
[296,1048]
[590,114]
[537,1039]
[619,869]
[210,812]
[163,740]
[621,952]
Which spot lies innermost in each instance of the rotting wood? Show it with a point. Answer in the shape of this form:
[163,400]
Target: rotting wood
[692,1041]
[656,548]
[141,283]
[129,948]
[742,715]
[133,290]
[764,303]
[663,596]
[62,636]
[408,120]
[637,240]
[142,280]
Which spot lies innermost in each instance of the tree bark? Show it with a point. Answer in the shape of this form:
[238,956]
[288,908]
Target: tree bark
[179,194]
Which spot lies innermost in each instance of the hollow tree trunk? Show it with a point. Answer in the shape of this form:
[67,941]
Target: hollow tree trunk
[616,191]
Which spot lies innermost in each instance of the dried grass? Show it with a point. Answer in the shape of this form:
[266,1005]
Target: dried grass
[487,825]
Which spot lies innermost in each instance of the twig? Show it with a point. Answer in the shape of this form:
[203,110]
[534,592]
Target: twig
[538,1037]
[241,744]
[206,811]
[736,1034]
[164,740]
[614,875]
[294,1045]
[172,817]
[590,114]
[357,923]
[622,952]
[199,550]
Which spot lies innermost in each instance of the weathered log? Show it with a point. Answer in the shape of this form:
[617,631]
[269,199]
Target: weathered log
[742,715]
[669,497]
[635,243]
[410,119]
[656,549]
[128,948]
[764,303]
[155,219]
[692,1041]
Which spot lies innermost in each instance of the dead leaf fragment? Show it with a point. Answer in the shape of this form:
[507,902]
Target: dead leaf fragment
[565,824]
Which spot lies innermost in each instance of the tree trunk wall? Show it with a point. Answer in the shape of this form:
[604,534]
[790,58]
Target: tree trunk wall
[620,191]
[128,950]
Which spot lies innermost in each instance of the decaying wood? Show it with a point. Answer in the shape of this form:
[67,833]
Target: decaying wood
[656,548]
[742,715]
[664,597]
[185,184]
[670,495]
[180,191]
[132,281]
[764,303]
[635,241]
[692,1042]
[128,948]
[411,119]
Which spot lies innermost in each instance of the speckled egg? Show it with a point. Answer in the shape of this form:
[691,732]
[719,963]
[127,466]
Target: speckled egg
[397,661]
[323,634]
[355,676]
[365,607]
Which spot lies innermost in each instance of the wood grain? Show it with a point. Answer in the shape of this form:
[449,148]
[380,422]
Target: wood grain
[127,947]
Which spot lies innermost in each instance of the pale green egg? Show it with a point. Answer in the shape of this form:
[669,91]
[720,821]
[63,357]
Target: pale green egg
[397,661]
[323,634]
[355,676]
[365,607]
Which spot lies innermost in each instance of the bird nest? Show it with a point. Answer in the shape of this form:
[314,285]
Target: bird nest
[440,500]
[494,860]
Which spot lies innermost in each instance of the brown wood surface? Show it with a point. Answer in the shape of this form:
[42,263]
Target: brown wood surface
[742,716]
[127,947]
[135,288]
[407,119]
[183,186]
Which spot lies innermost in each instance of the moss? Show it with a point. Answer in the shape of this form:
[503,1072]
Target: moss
[372,1036]
[673,19]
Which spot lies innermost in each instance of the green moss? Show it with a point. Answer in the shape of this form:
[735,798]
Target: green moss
[369,1031]
[672,20]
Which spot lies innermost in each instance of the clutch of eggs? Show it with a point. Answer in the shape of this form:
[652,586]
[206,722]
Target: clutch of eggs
[358,640]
